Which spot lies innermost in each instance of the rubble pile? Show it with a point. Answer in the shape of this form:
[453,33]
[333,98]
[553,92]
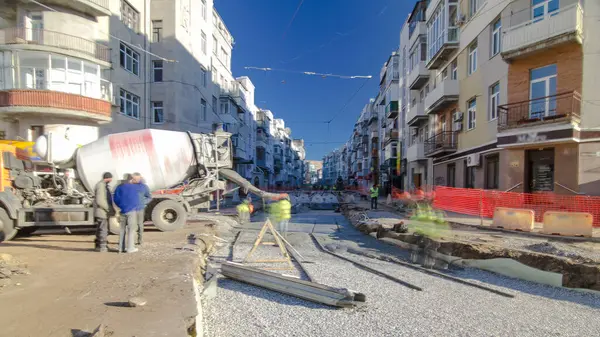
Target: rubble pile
[9,268]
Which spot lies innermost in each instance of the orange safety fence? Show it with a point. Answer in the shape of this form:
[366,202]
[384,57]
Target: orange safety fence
[482,203]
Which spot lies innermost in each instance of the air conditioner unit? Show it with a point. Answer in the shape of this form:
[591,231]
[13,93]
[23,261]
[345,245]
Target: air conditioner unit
[473,160]
[116,101]
[458,126]
[461,19]
[457,117]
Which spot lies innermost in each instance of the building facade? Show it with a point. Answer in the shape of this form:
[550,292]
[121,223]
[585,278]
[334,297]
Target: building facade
[134,64]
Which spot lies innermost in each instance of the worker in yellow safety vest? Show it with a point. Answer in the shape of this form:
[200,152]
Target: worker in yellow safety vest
[374,191]
[285,214]
[243,210]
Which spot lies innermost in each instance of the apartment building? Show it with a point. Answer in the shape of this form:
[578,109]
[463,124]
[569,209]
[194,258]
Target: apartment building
[50,79]
[508,89]
[389,133]
[413,43]
[313,171]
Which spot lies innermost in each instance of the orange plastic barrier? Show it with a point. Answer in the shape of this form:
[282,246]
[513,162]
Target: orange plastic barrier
[483,202]
[568,223]
[514,218]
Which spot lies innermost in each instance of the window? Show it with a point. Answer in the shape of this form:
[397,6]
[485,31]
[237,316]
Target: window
[36,131]
[204,80]
[471,112]
[215,45]
[203,109]
[130,60]
[454,70]
[157,27]
[215,74]
[543,8]
[496,37]
[542,92]
[443,123]
[157,71]
[492,171]
[203,42]
[473,7]
[451,175]
[215,20]
[129,16]
[473,58]
[203,9]
[158,116]
[130,104]
[224,107]
[469,176]
[494,101]
[214,104]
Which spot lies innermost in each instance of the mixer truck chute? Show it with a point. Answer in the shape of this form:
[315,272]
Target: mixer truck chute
[59,193]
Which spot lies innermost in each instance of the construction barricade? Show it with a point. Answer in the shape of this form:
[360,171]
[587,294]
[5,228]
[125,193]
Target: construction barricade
[483,203]
[568,223]
[514,218]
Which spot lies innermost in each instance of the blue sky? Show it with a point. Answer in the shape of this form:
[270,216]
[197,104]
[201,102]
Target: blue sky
[346,37]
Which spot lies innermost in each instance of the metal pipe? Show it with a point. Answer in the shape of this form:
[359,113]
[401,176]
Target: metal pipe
[512,188]
[365,267]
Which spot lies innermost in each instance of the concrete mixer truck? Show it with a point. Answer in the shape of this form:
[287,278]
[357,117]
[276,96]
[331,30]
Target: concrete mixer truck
[55,188]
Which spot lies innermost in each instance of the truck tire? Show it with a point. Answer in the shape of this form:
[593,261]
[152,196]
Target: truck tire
[7,227]
[169,215]
[114,225]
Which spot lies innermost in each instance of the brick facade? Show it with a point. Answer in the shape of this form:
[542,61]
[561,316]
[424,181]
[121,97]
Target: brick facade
[54,99]
[569,63]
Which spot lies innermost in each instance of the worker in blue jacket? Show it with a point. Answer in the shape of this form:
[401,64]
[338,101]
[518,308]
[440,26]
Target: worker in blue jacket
[127,198]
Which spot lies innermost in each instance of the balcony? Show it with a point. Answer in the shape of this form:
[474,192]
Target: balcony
[520,122]
[415,152]
[41,39]
[373,117]
[261,162]
[445,93]
[262,141]
[90,7]
[391,110]
[418,29]
[374,134]
[416,114]
[558,27]
[442,143]
[261,124]
[391,135]
[418,77]
[46,103]
[440,50]
[278,163]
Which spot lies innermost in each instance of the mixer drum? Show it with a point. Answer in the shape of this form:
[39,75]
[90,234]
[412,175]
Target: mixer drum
[163,158]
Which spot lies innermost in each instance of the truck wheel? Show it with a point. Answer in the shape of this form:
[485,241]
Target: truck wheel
[7,227]
[169,215]
[114,225]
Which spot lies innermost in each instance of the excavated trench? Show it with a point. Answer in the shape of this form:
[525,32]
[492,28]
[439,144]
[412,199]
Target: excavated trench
[576,272]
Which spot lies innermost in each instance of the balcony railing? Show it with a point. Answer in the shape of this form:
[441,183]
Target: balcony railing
[565,107]
[442,142]
[391,135]
[49,38]
[447,40]
[566,22]
[446,91]
[391,110]
[26,101]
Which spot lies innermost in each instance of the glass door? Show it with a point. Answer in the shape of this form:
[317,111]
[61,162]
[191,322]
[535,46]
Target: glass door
[36,28]
[542,92]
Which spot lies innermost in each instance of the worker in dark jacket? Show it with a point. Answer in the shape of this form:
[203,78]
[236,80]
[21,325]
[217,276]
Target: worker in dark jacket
[127,198]
[145,198]
[103,210]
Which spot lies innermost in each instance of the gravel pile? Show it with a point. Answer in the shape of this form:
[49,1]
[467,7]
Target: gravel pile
[444,308]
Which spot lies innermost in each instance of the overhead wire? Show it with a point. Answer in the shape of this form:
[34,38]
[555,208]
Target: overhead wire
[114,37]
[310,73]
